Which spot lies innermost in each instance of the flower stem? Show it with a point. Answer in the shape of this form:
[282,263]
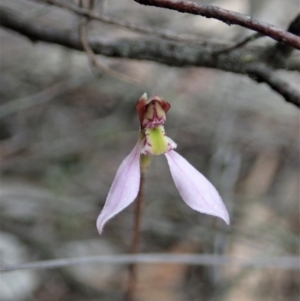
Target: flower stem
[132,282]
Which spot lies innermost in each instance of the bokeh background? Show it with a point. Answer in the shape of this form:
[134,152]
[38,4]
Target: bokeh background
[65,128]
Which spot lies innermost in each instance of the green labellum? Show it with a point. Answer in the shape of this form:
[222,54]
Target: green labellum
[157,142]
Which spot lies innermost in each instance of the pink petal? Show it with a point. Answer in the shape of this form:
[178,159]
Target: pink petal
[124,188]
[197,192]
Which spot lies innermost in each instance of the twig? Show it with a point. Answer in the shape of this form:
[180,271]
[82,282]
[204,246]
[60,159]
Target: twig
[242,43]
[166,34]
[93,59]
[131,288]
[262,73]
[284,262]
[228,17]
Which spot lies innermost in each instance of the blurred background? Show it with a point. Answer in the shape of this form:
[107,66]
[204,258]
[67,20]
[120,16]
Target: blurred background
[65,128]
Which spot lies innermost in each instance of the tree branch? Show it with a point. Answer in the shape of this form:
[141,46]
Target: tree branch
[165,52]
[228,17]
[243,60]
[264,74]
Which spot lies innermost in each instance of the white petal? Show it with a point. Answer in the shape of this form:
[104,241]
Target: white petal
[197,192]
[124,188]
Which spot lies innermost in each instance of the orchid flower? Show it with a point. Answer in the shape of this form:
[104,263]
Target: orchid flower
[196,191]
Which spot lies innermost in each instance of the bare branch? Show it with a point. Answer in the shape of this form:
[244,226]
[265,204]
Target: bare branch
[242,60]
[228,17]
[264,74]
[166,34]
[165,52]
[287,262]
